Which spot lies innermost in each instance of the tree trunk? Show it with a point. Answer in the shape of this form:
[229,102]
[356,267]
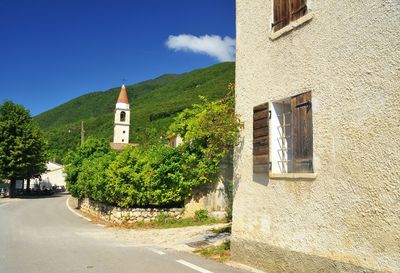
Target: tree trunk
[28,184]
[13,188]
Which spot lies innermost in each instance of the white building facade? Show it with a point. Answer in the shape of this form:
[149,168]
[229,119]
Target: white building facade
[317,174]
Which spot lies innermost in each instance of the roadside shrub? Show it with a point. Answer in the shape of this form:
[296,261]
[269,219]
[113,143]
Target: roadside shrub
[201,215]
[80,164]
[126,180]
[92,180]
[155,176]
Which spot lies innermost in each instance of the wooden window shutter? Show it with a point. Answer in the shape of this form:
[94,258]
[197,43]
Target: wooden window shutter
[281,14]
[302,133]
[297,9]
[261,138]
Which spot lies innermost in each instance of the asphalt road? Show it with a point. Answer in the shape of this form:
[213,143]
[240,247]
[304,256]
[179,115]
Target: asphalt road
[43,236]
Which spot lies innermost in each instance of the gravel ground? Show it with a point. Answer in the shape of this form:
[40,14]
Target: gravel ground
[181,239]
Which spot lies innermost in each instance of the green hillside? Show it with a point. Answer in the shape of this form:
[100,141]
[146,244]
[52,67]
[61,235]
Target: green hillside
[153,104]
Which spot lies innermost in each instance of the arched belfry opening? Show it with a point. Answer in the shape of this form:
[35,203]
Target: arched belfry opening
[122,116]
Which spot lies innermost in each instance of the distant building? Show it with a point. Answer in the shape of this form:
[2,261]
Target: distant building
[174,141]
[54,176]
[317,174]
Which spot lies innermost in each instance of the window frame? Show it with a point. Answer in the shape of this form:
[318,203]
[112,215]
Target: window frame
[265,150]
[283,14]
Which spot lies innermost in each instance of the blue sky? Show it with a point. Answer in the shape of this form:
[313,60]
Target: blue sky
[54,50]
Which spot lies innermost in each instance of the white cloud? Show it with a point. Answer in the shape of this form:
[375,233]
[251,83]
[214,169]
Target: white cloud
[213,45]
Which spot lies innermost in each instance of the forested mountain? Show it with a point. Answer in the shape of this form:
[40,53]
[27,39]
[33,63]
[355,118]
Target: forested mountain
[153,104]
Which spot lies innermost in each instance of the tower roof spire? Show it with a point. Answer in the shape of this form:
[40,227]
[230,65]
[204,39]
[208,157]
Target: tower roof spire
[123,96]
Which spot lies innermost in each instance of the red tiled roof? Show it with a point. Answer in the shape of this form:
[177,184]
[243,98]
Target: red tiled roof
[123,96]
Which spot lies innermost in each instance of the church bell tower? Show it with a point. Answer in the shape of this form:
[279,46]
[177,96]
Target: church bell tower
[122,118]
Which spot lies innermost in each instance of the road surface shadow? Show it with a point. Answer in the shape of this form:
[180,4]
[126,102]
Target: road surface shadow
[32,196]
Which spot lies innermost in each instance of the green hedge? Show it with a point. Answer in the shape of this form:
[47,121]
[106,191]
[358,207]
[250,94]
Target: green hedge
[158,175]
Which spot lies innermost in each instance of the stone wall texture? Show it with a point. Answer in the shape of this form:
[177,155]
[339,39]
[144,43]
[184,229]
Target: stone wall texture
[213,197]
[347,219]
[119,215]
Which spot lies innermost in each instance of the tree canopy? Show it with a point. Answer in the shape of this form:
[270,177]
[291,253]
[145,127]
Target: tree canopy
[210,127]
[22,146]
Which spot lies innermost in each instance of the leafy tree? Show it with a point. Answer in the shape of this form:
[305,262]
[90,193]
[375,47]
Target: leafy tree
[209,130]
[127,181]
[22,146]
[78,162]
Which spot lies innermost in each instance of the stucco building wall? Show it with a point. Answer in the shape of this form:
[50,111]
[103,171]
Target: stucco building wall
[56,177]
[347,218]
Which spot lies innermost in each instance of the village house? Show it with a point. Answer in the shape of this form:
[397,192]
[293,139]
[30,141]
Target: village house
[317,173]
[54,176]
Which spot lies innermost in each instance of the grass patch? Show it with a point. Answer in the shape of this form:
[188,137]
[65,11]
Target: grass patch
[220,253]
[226,229]
[175,223]
[164,221]
[172,223]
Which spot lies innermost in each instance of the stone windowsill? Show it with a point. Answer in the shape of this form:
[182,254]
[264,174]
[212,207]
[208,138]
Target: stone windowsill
[292,175]
[293,25]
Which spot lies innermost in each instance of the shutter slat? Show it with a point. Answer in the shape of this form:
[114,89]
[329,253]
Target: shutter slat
[260,123]
[261,138]
[260,145]
[260,141]
[281,14]
[260,115]
[260,150]
[260,159]
[260,132]
[260,107]
[297,9]
[260,168]
[302,133]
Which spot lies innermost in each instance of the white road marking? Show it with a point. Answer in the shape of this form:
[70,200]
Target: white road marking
[192,266]
[5,204]
[73,211]
[159,252]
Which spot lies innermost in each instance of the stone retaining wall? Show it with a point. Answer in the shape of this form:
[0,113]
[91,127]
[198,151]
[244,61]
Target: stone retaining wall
[119,215]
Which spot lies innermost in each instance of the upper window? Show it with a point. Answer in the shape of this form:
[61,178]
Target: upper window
[286,11]
[282,136]
[122,116]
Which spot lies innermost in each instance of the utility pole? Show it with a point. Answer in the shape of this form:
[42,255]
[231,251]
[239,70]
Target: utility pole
[82,133]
